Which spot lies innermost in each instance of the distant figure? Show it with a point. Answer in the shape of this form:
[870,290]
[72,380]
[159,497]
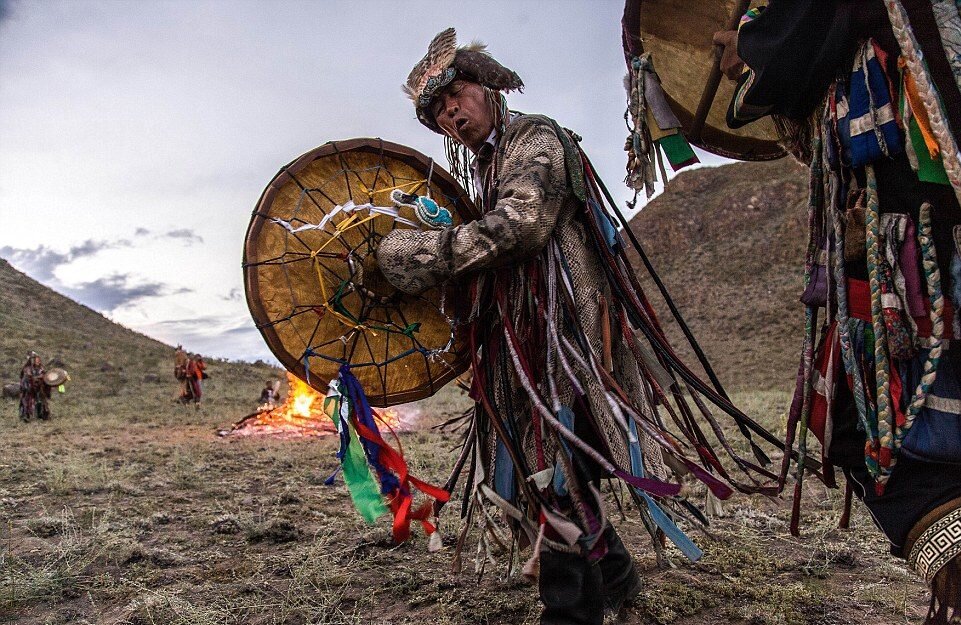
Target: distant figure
[180,367]
[196,373]
[270,396]
[180,370]
[33,392]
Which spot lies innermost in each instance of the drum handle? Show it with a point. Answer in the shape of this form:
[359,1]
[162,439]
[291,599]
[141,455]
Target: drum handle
[714,79]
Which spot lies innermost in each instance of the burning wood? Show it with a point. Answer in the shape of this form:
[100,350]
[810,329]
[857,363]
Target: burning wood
[302,414]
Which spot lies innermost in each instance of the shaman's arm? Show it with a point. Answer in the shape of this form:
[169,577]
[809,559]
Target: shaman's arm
[795,49]
[533,187]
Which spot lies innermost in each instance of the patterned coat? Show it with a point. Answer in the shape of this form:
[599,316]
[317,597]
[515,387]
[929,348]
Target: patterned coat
[534,266]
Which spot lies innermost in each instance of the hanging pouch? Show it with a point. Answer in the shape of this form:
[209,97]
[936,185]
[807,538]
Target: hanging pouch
[816,292]
[854,227]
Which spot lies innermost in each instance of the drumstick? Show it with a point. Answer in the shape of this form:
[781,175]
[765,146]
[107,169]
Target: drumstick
[714,78]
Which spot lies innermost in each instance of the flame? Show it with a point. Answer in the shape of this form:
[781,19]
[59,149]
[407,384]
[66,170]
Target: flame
[301,398]
[302,414]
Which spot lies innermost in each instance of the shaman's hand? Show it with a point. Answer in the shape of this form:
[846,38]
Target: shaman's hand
[731,63]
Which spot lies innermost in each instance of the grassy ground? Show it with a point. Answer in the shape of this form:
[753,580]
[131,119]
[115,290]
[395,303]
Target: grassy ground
[144,515]
[128,508]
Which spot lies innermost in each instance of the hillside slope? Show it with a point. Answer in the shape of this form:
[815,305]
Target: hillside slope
[729,243]
[112,368]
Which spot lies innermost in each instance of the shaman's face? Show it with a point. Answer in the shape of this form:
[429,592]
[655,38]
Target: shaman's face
[464,113]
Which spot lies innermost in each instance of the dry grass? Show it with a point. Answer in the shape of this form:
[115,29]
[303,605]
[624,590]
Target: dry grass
[127,508]
[121,520]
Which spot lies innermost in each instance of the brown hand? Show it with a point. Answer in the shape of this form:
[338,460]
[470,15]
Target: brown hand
[731,63]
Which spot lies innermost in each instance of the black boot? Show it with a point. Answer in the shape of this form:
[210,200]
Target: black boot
[621,582]
[571,590]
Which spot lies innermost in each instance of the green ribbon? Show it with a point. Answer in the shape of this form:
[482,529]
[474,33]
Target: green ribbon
[677,150]
[929,169]
[364,491]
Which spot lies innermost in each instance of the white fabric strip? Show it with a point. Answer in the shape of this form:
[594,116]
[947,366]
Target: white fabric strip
[347,208]
[868,122]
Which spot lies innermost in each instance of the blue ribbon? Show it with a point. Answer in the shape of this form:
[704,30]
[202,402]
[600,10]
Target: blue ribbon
[691,551]
[388,481]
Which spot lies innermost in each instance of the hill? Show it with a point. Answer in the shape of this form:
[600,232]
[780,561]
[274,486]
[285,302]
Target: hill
[109,364]
[729,243]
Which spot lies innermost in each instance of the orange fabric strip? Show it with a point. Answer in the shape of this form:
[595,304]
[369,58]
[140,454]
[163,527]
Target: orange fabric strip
[917,109]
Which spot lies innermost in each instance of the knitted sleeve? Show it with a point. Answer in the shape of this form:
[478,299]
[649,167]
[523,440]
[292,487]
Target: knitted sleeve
[531,192]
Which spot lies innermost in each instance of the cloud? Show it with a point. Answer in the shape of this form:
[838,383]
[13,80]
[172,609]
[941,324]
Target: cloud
[234,295]
[186,235]
[229,336]
[116,290]
[6,10]
[41,263]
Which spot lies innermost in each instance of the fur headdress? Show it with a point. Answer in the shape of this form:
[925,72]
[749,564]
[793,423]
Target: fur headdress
[444,62]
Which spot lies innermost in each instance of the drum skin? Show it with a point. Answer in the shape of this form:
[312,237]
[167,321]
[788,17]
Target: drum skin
[679,35]
[305,289]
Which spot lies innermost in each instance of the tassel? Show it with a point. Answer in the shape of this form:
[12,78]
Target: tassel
[434,542]
[713,506]
[367,460]
[532,568]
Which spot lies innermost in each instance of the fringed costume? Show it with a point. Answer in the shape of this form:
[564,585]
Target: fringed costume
[34,393]
[879,383]
[573,377]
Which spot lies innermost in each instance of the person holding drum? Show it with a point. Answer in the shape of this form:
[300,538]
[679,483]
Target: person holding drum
[34,392]
[867,93]
[561,381]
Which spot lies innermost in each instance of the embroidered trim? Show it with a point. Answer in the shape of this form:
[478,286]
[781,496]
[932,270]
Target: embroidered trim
[434,84]
[943,404]
[938,545]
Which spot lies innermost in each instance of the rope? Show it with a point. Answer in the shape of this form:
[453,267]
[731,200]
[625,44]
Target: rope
[800,426]
[886,427]
[914,57]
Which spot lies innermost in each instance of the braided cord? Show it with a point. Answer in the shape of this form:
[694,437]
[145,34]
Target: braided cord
[810,312]
[927,92]
[844,338]
[932,276]
[885,420]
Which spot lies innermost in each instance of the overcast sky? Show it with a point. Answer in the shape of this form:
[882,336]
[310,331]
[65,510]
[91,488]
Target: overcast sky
[136,137]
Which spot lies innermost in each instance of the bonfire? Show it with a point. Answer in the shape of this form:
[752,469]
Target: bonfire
[302,414]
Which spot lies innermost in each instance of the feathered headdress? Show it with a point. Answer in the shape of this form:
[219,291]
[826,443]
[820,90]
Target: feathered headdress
[443,62]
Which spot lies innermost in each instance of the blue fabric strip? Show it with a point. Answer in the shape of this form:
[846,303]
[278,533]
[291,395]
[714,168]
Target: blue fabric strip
[566,416]
[504,484]
[604,222]
[691,551]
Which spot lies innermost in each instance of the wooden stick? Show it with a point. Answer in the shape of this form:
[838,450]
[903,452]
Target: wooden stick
[714,78]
